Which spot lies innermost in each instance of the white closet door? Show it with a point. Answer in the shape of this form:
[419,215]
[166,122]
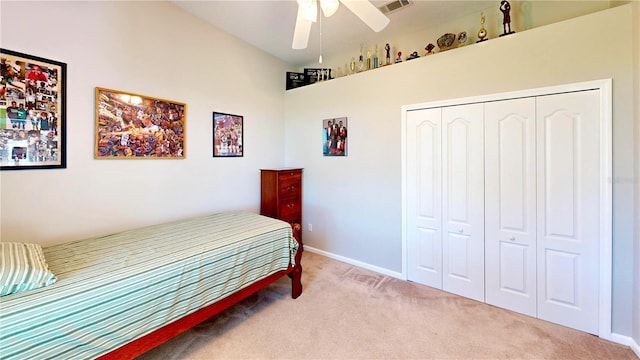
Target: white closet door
[568,178]
[463,200]
[510,204]
[424,202]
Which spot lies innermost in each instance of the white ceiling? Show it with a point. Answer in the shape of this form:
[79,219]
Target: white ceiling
[269,24]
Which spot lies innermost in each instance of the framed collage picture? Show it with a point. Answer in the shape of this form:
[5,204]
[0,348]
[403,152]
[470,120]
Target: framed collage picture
[227,135]
[334,137]
[132,126]
[32,112]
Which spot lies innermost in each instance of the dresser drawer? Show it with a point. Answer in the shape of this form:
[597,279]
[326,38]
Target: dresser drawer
[290,207]
[289,175]
[290,187]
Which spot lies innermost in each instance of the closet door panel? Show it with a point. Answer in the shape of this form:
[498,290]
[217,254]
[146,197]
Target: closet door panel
[424,202]
[463,200]
[568,177]
[510,204]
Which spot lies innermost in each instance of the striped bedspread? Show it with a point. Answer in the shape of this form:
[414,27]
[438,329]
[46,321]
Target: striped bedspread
[116,288]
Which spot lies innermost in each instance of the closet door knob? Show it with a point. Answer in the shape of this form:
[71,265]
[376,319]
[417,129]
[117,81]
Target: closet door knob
[513,238]
[461,230]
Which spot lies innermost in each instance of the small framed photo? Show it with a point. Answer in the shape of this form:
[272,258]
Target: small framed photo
[334,137]
[227,135]
[32,112]
[132,126]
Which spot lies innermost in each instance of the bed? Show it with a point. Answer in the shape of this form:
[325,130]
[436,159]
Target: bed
[118,296]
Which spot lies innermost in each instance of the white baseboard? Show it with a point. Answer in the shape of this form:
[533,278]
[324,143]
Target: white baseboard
[353,262]
[626,340]
[620,339]
[635,347]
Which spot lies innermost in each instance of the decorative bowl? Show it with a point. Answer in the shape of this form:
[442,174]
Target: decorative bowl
[446,41]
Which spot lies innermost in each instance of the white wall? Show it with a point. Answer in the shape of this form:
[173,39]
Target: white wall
[155,49]
[354,202]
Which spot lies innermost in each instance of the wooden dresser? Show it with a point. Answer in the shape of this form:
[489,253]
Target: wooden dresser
[281,195]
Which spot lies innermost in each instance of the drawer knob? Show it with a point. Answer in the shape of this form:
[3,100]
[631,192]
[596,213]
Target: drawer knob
[290,188]
[290,206]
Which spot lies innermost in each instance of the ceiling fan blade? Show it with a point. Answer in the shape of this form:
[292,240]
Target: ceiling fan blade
[301,32]
[368,13]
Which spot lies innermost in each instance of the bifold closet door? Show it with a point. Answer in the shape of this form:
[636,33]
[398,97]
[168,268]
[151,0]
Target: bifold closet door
[445,199]
[463,200]
[510,204]
[568,207]
[424,196]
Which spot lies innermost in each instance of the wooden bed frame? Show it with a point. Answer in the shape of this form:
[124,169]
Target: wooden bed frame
[159,336]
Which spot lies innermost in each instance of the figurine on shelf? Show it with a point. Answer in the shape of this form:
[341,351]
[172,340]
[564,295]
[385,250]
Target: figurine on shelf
[462,39]
[388,48]
[429,49]
[482,33]
[505,7]
[413,55]
[399,58]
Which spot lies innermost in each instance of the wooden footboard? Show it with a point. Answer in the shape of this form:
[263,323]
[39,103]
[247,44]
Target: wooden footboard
[296,272]
[159,336]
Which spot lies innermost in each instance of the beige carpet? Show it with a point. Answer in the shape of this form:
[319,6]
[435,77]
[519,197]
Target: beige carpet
[346,312]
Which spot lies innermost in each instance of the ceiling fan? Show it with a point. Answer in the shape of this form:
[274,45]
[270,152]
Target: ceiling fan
[308,13]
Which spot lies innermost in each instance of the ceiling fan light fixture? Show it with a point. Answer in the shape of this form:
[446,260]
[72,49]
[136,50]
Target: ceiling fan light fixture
[309,9]
[329,7]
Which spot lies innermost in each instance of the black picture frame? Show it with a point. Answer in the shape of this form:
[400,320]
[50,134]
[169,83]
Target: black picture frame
[228,131]
[33,97]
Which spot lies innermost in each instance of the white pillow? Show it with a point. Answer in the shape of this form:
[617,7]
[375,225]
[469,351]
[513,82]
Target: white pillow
[23,267]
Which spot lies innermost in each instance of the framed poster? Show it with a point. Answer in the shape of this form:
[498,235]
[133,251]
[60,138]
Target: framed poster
[334,137]
[32,112]
[132,126]
[227,135]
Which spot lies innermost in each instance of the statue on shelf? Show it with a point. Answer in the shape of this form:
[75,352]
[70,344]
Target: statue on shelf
[505,7]
[482,33]
[399,58]
[388,48]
